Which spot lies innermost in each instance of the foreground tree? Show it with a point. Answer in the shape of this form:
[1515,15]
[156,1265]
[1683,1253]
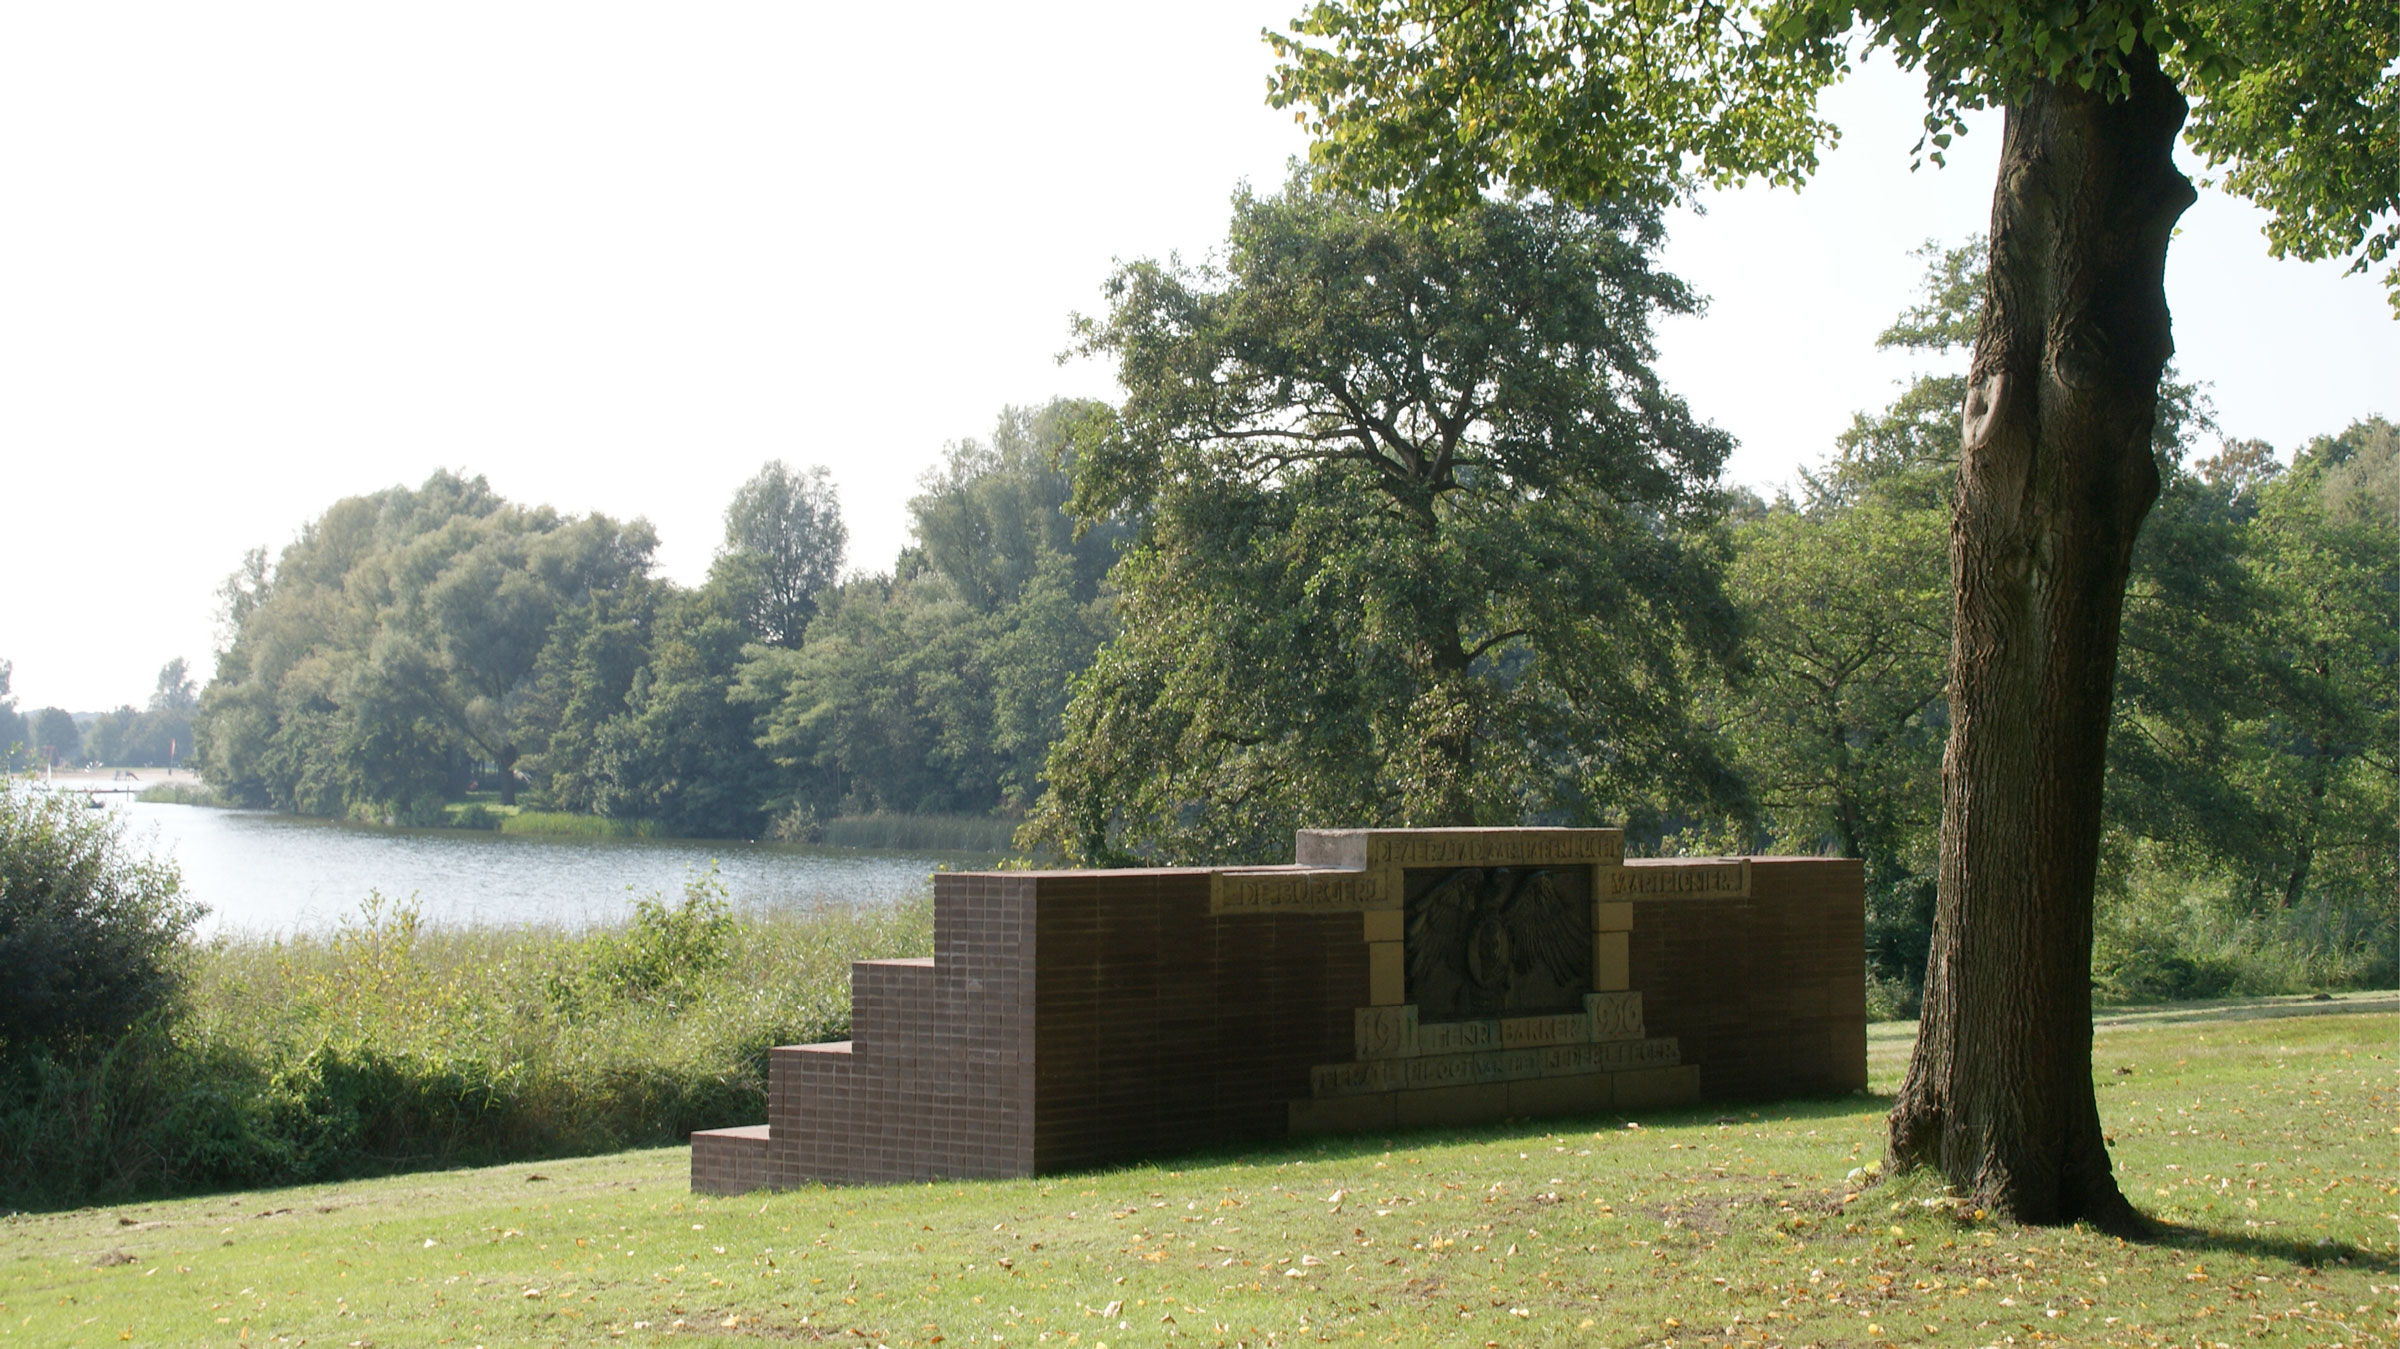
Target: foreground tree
[1608,102]
[1424,541]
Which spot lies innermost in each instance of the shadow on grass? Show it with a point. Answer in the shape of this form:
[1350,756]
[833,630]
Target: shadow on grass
[2251,1245]
[1353,1147]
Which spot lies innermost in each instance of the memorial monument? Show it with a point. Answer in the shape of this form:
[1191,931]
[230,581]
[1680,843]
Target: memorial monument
[1389,979]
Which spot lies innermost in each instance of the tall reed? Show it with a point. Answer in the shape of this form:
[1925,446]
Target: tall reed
[388,1044]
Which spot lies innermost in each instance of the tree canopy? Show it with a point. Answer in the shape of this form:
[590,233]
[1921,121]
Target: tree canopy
[939,688]
[784,545]
[1422,539]
[2297,101]
[390,648]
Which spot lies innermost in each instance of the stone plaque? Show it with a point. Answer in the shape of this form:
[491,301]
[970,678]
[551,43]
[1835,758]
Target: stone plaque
[1366,849]
[1498,941]
[1727,878]
[1288,890]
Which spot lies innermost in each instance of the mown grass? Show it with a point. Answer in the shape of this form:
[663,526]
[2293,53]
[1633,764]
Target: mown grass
[2266,1146]
[388,1045]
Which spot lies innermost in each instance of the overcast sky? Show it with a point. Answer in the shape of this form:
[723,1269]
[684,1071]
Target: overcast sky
[257,258]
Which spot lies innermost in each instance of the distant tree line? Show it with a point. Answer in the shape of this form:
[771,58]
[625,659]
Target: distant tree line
[152,736]
[1394,526]
[417,644]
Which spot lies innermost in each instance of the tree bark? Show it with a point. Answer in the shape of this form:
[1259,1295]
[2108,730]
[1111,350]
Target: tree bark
[2055,476]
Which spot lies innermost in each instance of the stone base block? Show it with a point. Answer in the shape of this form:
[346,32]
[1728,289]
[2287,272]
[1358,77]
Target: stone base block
[729,1161]
[1541,1096]
[1482,1103]
[1652,1088]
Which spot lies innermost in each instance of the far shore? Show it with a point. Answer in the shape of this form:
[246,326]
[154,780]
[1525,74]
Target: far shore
[136,778]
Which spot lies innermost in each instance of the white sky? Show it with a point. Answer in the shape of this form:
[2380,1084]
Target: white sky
[259,257]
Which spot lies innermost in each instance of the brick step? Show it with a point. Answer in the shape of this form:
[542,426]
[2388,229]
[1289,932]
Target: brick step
[894,1005]
[729,1161]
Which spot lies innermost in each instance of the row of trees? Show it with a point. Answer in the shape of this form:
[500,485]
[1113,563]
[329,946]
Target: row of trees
[418,644]
[2254,716]
[148,737]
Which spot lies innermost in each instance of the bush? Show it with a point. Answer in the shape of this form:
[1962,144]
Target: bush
[89,927]
[2167,932]
[665,954]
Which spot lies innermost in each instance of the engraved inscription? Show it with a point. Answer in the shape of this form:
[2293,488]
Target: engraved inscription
[1487,941]
[1615,1016]
[1296,891]
[1696,880]
[1386,1032]
[1520,1032]
[1456,1037]
[1473,847]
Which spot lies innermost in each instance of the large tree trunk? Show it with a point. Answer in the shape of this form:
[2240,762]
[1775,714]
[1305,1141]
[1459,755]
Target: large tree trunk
[2055,475]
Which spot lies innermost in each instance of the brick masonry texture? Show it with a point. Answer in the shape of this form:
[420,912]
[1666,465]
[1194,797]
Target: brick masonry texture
[1073,1019]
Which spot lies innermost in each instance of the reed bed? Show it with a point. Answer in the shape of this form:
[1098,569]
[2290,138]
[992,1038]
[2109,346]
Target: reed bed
[389,1045]
[560,823]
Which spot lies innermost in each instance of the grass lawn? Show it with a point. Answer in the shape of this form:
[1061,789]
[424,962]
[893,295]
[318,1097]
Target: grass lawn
[2270,1143]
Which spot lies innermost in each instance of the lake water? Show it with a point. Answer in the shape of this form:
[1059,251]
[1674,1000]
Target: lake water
[267,873]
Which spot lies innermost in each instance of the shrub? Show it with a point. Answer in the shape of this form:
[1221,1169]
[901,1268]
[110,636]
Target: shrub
[475,815]
[663,954]
[89,927]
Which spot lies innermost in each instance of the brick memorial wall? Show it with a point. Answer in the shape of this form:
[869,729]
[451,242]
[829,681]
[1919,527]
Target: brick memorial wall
[1390,979]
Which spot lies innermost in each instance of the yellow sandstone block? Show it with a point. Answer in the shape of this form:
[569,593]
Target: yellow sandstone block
[1611,961]
[1387,924]
[1612,916]
[1387,974]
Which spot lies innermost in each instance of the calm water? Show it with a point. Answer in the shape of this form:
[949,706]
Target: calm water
[267,873]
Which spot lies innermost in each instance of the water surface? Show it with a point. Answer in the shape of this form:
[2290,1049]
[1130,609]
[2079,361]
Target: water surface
[265,873]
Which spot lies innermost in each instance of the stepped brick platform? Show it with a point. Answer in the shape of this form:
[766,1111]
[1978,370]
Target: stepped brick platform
[1392,979]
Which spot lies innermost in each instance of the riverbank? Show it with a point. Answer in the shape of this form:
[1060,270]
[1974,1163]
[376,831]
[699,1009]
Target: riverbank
[392,1044]
[2261,1143]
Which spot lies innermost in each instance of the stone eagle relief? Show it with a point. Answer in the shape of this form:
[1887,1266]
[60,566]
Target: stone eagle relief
[1498,941]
